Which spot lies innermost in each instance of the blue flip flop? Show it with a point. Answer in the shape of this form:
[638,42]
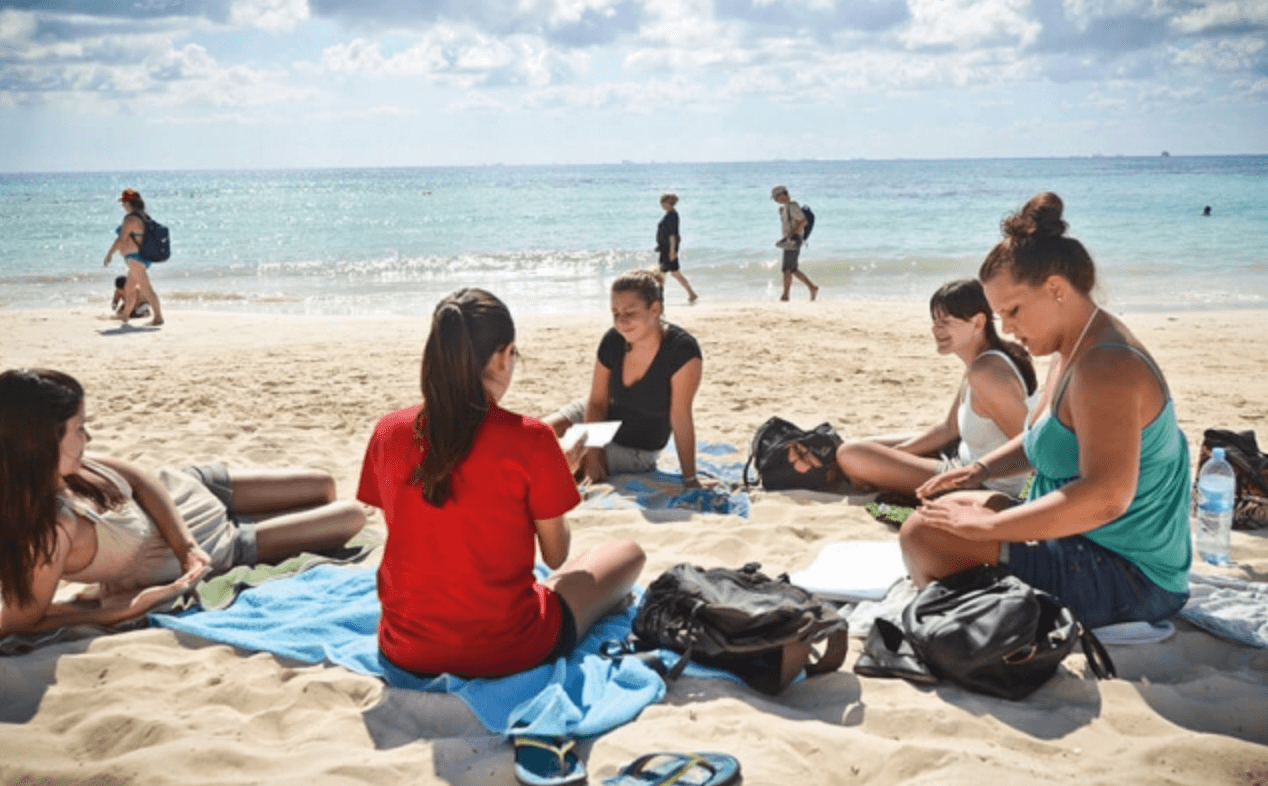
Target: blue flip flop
[547,761]
[679,769]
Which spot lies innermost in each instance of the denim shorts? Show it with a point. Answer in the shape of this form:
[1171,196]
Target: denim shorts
[1101,586]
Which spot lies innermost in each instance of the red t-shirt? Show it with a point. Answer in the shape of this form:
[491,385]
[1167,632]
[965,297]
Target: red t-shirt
[456,582]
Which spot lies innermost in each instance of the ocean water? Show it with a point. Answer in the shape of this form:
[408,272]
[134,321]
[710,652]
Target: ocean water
[549,239]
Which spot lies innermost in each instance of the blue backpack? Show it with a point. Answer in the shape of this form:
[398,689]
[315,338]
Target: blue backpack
[810,222]
[156,244]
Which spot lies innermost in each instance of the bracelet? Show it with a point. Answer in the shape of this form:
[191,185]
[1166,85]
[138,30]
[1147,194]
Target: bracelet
[986,471]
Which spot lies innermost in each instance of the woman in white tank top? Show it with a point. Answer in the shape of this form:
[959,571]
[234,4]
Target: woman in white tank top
[137,538]
[989,408]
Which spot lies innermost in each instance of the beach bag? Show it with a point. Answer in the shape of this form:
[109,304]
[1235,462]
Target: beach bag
[768,454]
[985,630]
[156,244]
[1250,468]
[810,222]
[760,629]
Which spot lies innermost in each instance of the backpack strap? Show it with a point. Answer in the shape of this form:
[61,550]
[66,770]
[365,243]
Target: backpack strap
[833,655]
[1098,658]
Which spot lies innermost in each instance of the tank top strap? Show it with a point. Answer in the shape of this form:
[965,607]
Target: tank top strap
[1011,364]
[1162,381]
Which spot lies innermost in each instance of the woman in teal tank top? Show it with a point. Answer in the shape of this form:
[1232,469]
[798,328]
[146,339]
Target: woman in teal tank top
[1105,527]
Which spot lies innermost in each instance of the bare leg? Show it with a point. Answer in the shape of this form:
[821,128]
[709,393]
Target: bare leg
[787,284]
[139,284]
[316,529]
[596,582]
[931,553]
[691,293]
[263,491]
[814,290]
[874,464]
[295,509]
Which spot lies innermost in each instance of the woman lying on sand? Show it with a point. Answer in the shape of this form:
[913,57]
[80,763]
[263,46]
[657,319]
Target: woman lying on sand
[1109,505]
[468,490]
[646,376]
[142,538]
[989,408]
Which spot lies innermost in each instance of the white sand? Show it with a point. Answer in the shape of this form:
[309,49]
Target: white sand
[147,707]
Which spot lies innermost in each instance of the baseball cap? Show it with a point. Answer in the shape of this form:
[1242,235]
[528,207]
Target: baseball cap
[777,190]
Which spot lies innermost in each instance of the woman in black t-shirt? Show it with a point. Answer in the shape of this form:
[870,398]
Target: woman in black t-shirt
[668,242]
[646,376]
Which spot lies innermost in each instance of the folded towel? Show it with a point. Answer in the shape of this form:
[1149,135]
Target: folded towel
[1231,608]
[331,614]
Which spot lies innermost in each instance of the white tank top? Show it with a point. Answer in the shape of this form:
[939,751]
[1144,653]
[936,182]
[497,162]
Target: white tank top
[979,435]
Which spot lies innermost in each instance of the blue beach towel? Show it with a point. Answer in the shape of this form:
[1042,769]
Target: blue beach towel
[662,489]
[331,615]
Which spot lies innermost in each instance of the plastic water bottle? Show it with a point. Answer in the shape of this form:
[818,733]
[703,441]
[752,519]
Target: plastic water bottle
[1216,486]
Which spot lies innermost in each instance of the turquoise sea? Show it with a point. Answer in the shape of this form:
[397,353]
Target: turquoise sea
[549,239]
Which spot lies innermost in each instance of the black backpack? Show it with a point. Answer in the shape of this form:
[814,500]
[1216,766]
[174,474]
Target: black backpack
[768,453]
[759,628]
[985,630]
[1250,470]
[156,244]
[810,222]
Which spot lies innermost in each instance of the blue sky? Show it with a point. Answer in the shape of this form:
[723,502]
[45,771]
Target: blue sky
[224,84]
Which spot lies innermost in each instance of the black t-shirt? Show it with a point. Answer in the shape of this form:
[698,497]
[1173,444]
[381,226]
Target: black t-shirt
[667,228]
[643,407]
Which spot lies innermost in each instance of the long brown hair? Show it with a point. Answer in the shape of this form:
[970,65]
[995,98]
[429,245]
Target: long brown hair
[965,298]
[1035,247]
[467,328]
[35,406]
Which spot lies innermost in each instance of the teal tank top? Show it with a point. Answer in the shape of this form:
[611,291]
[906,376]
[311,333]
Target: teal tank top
[1154,531]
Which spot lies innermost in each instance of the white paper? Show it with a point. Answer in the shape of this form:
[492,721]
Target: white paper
[854,570]
[597,434]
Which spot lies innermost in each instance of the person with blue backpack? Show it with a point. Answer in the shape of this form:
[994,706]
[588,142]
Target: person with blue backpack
[796,223]
[137,242]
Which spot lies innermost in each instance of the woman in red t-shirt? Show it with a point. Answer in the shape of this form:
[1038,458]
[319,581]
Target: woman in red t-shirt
[469,490]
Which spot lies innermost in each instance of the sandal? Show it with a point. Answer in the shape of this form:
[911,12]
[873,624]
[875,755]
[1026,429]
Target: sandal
[680,769]
[547,761]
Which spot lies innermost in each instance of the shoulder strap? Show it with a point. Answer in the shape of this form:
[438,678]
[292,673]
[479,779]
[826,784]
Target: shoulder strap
[1098,658]
[1065,382]
[1011,364]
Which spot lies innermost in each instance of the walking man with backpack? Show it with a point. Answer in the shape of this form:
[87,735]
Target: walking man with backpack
[795,226]
[131,237]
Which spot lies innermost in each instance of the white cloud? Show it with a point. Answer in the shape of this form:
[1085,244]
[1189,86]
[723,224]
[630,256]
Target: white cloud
[458,57]
[968,23]
[1228,13]
[278,15]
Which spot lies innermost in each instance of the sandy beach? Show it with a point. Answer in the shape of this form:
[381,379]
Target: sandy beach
[154,707]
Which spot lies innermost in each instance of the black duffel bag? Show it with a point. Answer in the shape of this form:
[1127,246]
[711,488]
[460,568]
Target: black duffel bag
[985,630]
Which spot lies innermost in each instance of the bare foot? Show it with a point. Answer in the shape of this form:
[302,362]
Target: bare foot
[157,322]
[694,297]
[783,299]
[814,291]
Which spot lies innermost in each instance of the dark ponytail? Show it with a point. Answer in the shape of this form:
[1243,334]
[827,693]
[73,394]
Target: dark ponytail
[468,327]
[965,298]
[1035,247]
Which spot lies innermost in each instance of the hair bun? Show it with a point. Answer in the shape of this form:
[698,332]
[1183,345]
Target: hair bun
[1038,219]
